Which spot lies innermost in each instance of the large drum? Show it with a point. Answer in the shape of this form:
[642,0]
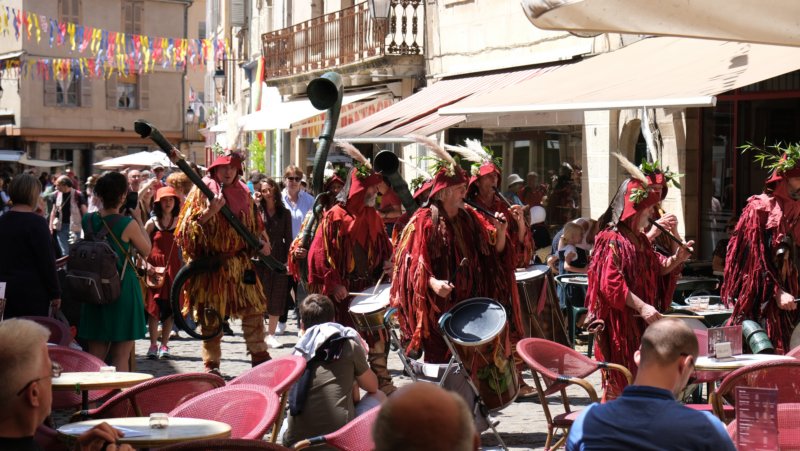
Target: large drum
[367,310]
[541,314]
[477,330]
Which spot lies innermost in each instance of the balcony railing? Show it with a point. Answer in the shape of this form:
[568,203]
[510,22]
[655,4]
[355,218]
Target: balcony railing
[343,37]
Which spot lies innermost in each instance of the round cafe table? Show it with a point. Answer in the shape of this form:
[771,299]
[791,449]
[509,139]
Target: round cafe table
[97,380]
[140,435]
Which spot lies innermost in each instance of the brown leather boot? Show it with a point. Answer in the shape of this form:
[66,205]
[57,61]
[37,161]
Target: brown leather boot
[259,358]
[212,368]
[378,357]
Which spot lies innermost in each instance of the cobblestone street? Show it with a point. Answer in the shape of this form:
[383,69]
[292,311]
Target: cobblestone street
[522,424]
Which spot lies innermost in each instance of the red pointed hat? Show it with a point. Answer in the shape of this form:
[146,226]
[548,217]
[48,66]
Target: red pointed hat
[445,179]
[423,189]
[486,168]
[777,176]
[333,179]
[359,184]
[223,160]
[656,182]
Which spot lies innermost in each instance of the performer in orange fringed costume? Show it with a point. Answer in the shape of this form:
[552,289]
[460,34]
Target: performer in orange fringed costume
[202,232]
[629,283]
[761,271]
[349,253]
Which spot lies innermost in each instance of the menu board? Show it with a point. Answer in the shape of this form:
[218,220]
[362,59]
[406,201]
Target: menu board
[728,334]
[757,418]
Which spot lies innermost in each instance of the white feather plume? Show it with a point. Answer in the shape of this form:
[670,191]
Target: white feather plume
[632,169]
[473,151]
[353,152]
[434,146]
[416,169]
[477,147]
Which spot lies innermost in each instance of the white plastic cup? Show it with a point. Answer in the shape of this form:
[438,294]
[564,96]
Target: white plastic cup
[159,420]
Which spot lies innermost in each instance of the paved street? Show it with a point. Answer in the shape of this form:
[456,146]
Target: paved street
[522,425]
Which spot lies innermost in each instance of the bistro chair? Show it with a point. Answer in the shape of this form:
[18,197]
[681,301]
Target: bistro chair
[555,367]
[157,395]
[780,374]
[278,374]
[60,334]
[47,439]
[74,361]
[249,409]
[354,436]
[225,444]
[576,305]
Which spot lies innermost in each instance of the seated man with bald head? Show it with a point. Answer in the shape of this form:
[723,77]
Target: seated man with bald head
[647,416]
[425,417]
[26,392]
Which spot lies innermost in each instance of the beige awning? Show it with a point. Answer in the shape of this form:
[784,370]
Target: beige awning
[654,72]
[764,21]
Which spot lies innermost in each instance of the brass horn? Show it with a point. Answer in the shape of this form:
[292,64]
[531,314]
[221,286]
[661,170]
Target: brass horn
[325,93]
[387,163]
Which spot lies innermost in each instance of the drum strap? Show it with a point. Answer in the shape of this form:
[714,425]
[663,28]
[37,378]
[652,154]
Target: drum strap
[329,351]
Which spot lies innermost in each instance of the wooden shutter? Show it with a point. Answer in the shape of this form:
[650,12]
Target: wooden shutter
[238,14]
[85,90]
[138,16]
[50,93]
[111,93]
[144,92]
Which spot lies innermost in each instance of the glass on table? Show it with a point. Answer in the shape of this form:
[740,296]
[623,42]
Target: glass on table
[159,420]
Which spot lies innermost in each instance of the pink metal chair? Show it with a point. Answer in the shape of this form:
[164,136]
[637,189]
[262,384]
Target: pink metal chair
[248,409]
[278,374]
[157,395]
[72,361]
[354,436]
[59,332]
[795,352]
[780,374]
[47,439]
[554,367]
[227,444]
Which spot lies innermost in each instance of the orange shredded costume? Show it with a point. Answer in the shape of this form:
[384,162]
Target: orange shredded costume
[224,290]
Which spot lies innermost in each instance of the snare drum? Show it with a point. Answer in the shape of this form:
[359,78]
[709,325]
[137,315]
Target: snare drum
[477,330]
[541,314]
[367,311]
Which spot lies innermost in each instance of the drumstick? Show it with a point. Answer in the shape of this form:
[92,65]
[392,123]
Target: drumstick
[374,290]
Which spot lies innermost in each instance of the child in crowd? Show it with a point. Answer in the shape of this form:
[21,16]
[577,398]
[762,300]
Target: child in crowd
[572,258]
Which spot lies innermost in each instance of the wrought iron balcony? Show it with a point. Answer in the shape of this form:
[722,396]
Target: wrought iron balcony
[343,37]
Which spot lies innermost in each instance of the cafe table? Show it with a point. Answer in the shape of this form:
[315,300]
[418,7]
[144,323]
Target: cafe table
[139,435]
[85,381]
[709,369]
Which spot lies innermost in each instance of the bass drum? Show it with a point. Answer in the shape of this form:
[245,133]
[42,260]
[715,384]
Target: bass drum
[478,330]
[541,313]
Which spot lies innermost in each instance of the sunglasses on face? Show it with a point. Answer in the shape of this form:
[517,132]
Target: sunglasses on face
[294,179]
[55,371]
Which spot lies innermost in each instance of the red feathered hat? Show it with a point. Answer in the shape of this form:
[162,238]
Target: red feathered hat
[486,168]
[445,179]
[635,203]
[423,189]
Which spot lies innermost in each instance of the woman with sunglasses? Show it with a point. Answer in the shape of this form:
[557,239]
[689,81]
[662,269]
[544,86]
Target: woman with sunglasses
[299,203]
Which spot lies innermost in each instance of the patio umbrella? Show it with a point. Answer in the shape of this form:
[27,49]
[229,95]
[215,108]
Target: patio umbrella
[768,22]
[138,160]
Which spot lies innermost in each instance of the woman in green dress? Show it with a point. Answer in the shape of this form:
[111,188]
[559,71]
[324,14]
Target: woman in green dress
[111,329]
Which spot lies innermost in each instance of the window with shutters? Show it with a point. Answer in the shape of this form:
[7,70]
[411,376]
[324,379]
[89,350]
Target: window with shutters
[69,11]
[132,13]
[68,93]
[201,30]
[127,92]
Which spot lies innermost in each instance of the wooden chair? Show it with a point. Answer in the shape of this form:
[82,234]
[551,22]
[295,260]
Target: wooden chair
[555,367]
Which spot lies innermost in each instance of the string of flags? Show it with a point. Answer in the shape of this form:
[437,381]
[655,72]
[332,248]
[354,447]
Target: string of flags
[102,52]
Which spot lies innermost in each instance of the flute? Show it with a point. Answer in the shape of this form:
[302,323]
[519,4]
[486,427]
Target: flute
[502,197]
[482,210]
[670,235]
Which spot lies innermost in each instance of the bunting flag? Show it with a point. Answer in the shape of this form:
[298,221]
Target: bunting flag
[101,52]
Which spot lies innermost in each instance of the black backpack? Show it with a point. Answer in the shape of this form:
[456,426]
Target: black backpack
[92,275]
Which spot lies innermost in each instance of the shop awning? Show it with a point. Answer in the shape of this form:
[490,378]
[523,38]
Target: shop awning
[18,156]
[767,22]
[654,72]
[418,114]
[281,116]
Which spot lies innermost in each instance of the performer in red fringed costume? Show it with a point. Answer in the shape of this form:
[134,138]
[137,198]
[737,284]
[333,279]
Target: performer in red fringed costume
[349,253]
[629,283]
[429,278]
[761,271]
[421,195]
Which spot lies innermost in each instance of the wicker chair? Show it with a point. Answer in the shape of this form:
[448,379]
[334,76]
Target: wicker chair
[555,367]
[59,332]
[278,374]
[226,444]
[354,436]
[47,439]
[781,374]
[788,427]
[157,395]
[249,409]
[73,361]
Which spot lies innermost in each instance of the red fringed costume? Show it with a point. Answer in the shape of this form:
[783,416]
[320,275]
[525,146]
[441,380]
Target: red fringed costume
[754,270]
[433,245]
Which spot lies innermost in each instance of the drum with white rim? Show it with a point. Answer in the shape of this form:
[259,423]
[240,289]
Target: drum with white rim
[541,314]
[367,310]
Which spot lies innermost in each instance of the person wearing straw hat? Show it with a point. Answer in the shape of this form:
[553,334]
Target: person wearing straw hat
[203,231]
[761,270]
[351,251]
[630,284]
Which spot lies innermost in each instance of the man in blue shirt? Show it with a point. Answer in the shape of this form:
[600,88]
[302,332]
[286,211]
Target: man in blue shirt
[647,416]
